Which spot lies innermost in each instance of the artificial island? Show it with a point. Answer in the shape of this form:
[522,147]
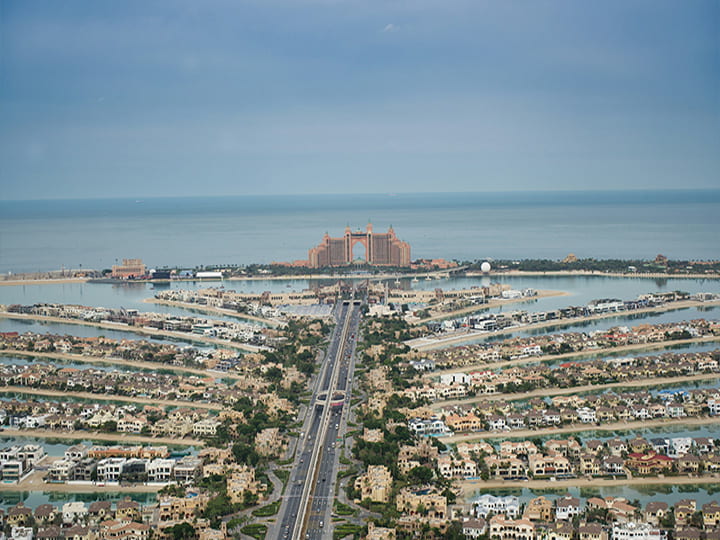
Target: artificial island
[375,404]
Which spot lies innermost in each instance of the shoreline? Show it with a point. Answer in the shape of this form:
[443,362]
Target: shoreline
[578,428]
[113,361]
[431,343]
[490,305]
[48,281]
[133,330]
[469,487]
[565,356]
[369,275]
[34,482]
[592,273]
[209,309]
[48,392]
[547,392]
[97,436]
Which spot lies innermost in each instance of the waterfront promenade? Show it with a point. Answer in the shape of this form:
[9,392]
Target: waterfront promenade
[121,362]
[614,351]
[214,310]
[493,303]
[469,487]
[632,426]
[429,343]
[17,279]
[97,436]
[549,392]
[107,397]
[182,336]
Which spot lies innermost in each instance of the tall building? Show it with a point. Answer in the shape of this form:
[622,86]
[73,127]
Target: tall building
[381,249]
[129,268]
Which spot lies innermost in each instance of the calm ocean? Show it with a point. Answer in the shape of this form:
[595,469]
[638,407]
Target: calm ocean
[48,235]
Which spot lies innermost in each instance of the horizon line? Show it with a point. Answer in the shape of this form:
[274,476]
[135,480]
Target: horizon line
[142,198]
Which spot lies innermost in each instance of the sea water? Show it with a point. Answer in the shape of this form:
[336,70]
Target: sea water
[52,234]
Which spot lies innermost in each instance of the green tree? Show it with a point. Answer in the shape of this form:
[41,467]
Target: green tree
[110,426]
[181,531]
[420,475]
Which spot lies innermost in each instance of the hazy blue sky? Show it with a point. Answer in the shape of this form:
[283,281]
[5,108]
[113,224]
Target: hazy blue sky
[152,98]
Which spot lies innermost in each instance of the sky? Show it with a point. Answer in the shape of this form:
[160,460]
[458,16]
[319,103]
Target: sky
[232,97]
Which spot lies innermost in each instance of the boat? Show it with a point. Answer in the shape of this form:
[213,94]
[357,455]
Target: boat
[428,278]
[414,280]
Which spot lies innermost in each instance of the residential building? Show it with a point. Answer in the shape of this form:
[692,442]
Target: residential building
[502,528]
[635,531]
[72,512]
[376,484]
[508,505]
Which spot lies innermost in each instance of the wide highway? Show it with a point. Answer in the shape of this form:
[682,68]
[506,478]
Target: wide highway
[309,496]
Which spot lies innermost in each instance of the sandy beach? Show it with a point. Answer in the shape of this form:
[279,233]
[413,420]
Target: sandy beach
[134,329]
[108,397]
[430,343]
[578,428]
[565,356]
[208,309]
[547,392]
[468,487]
[98,436]
[152,366]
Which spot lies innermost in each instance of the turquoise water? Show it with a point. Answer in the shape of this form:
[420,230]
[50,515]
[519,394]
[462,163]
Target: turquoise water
[47,235]
[128,295]
[42,327]
[33,499]
[581,290]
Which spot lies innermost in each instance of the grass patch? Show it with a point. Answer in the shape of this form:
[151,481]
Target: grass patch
[235,522]
[342,509]
[355,401]
[348,472]
[269,510]
[346,529]
[256,530]
[344,460]
[283,475]
[380,508]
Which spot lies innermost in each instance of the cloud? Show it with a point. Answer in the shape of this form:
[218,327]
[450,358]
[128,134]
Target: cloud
[390,28]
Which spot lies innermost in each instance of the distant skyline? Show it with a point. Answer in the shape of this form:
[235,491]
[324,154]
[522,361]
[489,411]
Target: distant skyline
[186,98]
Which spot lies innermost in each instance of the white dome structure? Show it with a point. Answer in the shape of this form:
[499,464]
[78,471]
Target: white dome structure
[485,267]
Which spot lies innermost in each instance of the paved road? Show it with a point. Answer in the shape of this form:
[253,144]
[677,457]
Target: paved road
[312,480]
[319,521]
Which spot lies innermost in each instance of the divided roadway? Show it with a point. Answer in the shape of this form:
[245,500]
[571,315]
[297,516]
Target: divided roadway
[309,490]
